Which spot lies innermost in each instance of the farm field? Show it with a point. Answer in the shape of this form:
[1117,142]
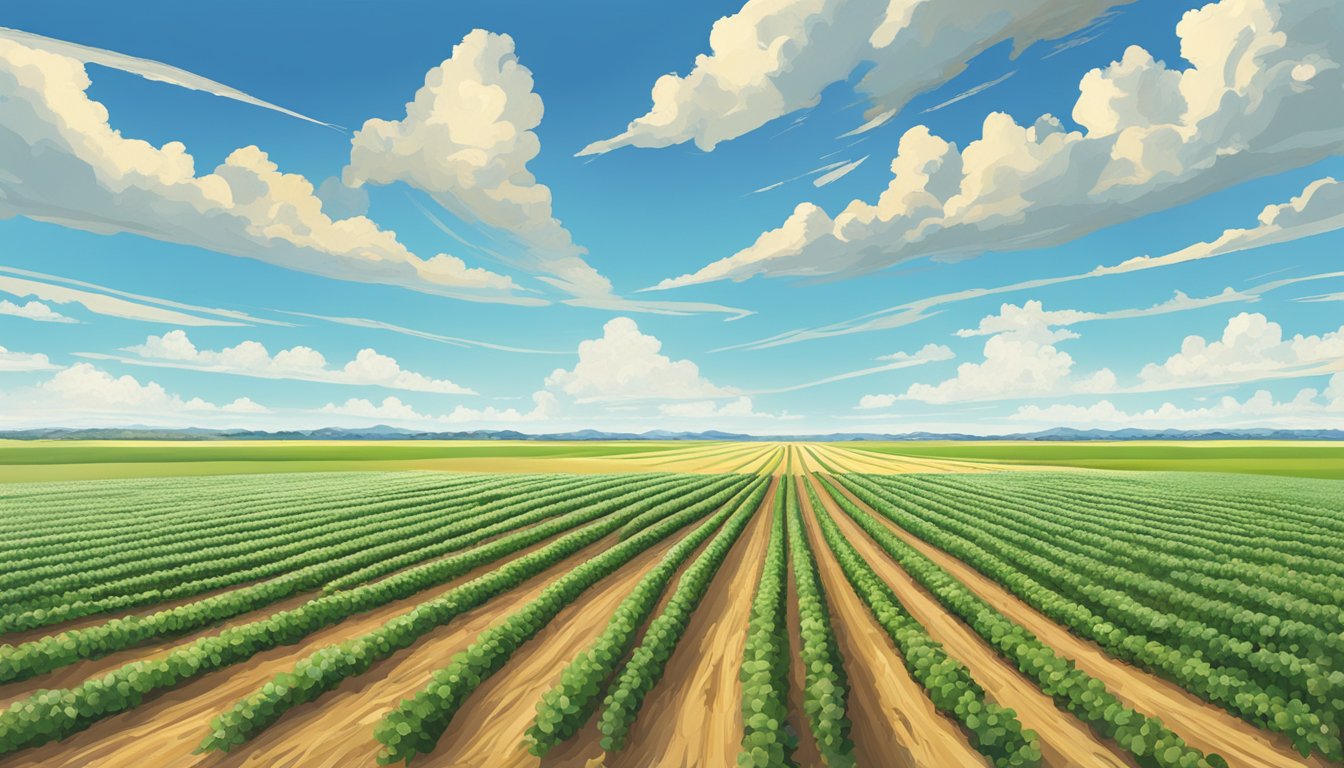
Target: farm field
[688,604]
[1298,458]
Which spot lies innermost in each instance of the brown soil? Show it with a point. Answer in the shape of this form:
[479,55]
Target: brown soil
[1203,725]
[164,730]
[894,723]
[584,750]
[489,729]
[693,716]
[76,673]
[1064,740]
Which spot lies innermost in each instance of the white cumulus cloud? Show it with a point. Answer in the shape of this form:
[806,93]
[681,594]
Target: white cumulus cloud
[1308,409]
[1261,94]
[1251,348]
[251,358]
[1020,360]
[393,409]
[84,395]
[34,310]
[625,364]
[739,408]
[14,362]
[466,140]
[66,165]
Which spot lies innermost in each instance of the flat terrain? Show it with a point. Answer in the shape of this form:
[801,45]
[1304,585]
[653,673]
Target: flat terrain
[1292,458]
[125,579]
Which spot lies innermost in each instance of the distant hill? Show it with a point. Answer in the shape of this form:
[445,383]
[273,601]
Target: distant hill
[385,432]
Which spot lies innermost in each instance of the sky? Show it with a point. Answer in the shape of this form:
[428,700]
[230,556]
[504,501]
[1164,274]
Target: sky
[783,217]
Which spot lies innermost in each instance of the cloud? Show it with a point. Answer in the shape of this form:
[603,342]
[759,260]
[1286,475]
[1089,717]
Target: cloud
[1012,317]
[393,409]
[814,171]
[929,353]
[969,92]
[250,358]
[1308,409]
[457,341]
[146,68]
[15,362]
[740,408]
[102,300]
[1324,297]
[85,395]
[466,140]
[1020,360]
[1315,211]
[64,164]
[673,308]
[838,173]
[34,310]
[625,364]
[774,57]
[877,401]
[340,201]
[1261,95]
[1251,348]
[621,377]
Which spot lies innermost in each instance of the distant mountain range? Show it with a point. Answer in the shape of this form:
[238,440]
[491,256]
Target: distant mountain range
[384,432]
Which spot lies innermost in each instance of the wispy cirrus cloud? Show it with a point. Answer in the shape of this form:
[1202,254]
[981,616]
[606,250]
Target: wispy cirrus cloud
[457,341]
[969,92]
[110,302]
[146,68]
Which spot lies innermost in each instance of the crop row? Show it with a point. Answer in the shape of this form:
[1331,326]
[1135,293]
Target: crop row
[35,657]
[416,725]
[1037,579]
[569,704]
[1219,513]
[54,714]
[767,740]
[1175,573]
[1143,508]
[152,507]
[368,554]
[95,567]
[649,659]
[993,730]
[825,687]
[1152,744]
[1085,567]
[1208,555]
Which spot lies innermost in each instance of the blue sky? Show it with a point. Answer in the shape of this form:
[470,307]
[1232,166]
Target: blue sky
[550,216]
